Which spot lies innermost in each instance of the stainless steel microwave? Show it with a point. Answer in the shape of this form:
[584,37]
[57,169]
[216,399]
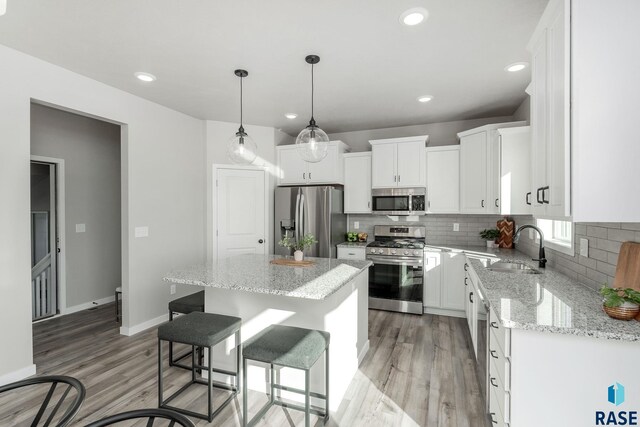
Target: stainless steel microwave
[398,201]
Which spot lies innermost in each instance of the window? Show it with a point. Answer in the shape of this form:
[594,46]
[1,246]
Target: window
[558,235]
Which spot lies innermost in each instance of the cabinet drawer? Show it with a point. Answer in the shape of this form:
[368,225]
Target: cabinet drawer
[501,334]
[495,409]
[499,392]
[500,365]
[351,253]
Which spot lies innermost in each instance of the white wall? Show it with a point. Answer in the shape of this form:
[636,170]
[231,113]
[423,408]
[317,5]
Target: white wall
[523,113]
[163,188]
[605,92]
[91,150]
[217,137]
[439,133]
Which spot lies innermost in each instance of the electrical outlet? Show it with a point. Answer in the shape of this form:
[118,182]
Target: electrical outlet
[584,247]
[80,228]
[356,225]
[456,226]
[172,289]
[141,232]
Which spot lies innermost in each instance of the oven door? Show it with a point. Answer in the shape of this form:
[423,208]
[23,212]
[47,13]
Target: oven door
[396,284]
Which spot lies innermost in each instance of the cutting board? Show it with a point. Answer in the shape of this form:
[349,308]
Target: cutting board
[628,268]
[506,227]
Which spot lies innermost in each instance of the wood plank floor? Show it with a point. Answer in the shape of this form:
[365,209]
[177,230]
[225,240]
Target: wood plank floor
[419,371]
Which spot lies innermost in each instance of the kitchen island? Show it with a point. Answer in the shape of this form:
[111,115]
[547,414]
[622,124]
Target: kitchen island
[330,295]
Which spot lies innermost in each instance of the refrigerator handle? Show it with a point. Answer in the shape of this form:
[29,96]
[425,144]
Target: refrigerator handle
[302,213]
[296,224]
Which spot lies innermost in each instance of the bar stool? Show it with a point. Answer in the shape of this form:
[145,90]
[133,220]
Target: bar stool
[201,330]
[288,347]
[185,305]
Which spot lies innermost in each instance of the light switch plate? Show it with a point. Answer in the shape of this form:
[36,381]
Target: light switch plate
[81,228]
[584,247]
[456,226]
[142,232]
[172,289]
[530,234]
[356,225]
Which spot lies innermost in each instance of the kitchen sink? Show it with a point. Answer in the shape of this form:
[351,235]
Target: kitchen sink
[512,267]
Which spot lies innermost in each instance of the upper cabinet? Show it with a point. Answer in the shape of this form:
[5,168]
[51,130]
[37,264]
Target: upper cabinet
[357,183]
[295,171]
[515,171]
[550,112]
[480,169]
[398,162]
[443,179]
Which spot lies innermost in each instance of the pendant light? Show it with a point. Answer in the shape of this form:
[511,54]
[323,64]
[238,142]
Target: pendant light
[241,148]
[312,142]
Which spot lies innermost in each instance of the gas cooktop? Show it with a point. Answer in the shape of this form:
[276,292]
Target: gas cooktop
[396,244]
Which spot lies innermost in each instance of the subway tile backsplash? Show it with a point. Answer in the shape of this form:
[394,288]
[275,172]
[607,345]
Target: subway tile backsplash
[593,271]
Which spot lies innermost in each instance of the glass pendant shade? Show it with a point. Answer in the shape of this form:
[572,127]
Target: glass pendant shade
[242,149]
[312,144]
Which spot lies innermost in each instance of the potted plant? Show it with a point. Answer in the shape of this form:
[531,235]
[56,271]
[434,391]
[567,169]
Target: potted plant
[490,235]
[298,246]
[620,303]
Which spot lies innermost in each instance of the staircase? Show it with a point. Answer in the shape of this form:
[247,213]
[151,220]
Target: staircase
[43,289]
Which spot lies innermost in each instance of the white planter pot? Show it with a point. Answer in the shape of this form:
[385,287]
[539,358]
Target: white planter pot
[491,244]
[298,255]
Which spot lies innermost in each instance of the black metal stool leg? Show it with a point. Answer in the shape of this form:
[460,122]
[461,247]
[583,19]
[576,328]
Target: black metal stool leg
[307,405]
[326,385]
[160,373]
[210,385]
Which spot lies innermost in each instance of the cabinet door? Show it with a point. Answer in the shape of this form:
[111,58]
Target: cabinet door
[383,166]
[443,180]
[357,184]
[432,279]
[515,173]
[470,310]
[411,164]
[473,173]
[293,170]
[453,287]
[493,172]
[327,170]
[557,152]
[538,123]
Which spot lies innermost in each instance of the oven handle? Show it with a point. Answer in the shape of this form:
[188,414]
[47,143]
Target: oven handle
[412,262]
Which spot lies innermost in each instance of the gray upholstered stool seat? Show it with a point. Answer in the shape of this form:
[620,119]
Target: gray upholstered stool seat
[185,305]
[201,330]
[188,304]
[289,347]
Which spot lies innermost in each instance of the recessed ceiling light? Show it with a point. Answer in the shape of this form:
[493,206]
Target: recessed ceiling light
[517,66]
[291,116]
[414,16]
[425,98]
[145,77]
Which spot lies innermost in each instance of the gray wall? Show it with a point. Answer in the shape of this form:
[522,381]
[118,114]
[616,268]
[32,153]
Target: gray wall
[523,113]
[439,133]
[91,150]
[40,188]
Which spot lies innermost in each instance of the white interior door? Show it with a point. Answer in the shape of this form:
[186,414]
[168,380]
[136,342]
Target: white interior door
[240,205]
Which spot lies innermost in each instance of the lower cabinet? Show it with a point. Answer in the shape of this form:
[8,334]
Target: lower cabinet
[351,252]
[444,283]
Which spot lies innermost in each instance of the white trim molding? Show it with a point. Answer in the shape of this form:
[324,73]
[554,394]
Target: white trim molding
[18,375]
[87,305]
[129,331]
[363,352]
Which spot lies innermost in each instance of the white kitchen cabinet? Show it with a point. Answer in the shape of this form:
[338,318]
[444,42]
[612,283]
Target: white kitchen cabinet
[515,171]
[444,289]
[295,171]
[398,162]
[432,280]
[352,252]
[443,179]
[480,169]
[550,112]
[357,183]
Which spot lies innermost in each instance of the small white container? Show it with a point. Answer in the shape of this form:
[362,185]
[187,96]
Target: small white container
[298,255]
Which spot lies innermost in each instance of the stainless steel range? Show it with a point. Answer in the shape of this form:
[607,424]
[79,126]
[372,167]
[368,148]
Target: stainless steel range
[396,277]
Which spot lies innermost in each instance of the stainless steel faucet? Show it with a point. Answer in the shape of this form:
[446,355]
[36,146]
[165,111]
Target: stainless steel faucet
[542,260]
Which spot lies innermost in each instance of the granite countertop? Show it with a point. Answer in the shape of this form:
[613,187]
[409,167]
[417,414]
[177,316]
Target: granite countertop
[255,273]
[546,302]
[353,244]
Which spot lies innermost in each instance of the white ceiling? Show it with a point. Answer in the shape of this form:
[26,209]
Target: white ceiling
[372,68]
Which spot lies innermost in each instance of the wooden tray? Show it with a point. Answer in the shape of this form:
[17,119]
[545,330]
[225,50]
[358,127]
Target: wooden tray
[292,263]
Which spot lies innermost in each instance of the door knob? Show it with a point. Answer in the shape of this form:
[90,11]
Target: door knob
[260,241]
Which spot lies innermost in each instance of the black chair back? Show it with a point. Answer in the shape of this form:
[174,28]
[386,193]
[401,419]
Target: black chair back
[54,381]
[151,415]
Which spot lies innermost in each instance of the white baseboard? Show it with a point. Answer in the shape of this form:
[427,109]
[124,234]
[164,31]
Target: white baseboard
[86,305]
[363,352]
[445,312]
[17,375]
[132,330]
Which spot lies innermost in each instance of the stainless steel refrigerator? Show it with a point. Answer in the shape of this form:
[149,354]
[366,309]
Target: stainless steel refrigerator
[316,210]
